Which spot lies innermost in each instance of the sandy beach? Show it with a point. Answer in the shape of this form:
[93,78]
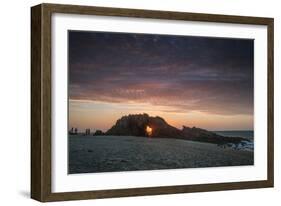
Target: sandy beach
[88,154]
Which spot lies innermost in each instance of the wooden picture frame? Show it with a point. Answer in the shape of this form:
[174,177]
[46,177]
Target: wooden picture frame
[41,97]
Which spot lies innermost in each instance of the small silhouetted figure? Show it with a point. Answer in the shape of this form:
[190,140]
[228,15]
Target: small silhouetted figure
[71,130]
[87,132]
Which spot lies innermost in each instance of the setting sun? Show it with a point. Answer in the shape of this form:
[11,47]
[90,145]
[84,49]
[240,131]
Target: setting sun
[148,131]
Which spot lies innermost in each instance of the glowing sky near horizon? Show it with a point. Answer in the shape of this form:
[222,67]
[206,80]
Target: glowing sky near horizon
[193,81]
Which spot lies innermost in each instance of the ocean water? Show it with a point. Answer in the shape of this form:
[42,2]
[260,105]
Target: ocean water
[248,134]
[244,145]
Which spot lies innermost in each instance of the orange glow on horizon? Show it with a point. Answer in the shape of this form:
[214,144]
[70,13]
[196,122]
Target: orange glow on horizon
[102,116]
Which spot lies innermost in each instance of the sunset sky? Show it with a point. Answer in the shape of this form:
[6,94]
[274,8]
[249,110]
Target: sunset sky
[192,81]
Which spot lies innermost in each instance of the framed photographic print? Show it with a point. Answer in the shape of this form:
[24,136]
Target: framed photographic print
[132,102]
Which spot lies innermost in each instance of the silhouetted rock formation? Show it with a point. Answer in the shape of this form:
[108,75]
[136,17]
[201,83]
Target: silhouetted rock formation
[135,125]
[98,132]
[197,134]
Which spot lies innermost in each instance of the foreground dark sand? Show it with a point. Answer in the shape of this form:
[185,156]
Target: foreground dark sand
[127,153]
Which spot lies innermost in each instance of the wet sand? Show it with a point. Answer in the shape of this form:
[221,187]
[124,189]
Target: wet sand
[88,154]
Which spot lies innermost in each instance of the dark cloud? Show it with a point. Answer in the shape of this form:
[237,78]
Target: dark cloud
[188,73]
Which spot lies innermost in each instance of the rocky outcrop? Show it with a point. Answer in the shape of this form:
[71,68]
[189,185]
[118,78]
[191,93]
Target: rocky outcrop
[98,133]
[135,125]
[197,134]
